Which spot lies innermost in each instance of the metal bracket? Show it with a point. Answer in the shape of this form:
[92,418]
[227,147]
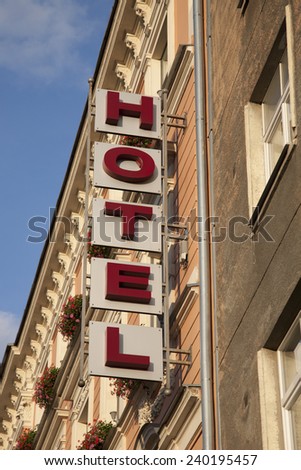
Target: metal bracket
[186,352]
[172,117]
[173,236]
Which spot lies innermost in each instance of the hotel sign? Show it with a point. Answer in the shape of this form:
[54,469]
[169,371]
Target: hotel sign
[127,287]
[115,112]
[124,350]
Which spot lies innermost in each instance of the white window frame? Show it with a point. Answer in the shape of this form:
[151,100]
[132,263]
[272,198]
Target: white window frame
[288,397]
[281,114]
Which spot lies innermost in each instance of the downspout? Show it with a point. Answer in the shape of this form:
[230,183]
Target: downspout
[204,234]
[212,214]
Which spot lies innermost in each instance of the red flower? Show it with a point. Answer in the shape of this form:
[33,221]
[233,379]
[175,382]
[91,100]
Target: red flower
[96,251]
[70,317]
[96,436]
[136,141]
[123,387]
[26,438]
[43,390]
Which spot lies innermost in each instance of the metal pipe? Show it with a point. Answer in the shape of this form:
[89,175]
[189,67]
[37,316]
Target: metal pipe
[81,382]
[212,210]
[203,212]
[165,239]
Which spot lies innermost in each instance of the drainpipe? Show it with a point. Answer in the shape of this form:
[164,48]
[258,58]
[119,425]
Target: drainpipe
[204,234]
[212,214]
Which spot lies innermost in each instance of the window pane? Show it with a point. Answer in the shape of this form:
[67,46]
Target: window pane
[276,145]
[291,357]
[296,419]
[284,71]
[271,99]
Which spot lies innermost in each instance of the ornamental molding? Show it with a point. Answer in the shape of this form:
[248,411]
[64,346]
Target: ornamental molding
[81,197]
[81,401]
[70,241]
[77,220]
[145,412]
[41,332]
[46,315]
[64,260]
[52,297]
[24,411]
[143,10]
[133,43]
[7,426]
[58,279]
[35,347]
[17,386]
[11,413]
[124,74]
[20,375]
[30,362]
[13,399]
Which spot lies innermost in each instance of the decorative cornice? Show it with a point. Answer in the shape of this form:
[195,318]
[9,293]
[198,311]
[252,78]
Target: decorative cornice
[35,347]
[20,375]
[13,399]
[70,241]
[58,279]
[64,260]
[46,315]
[77,220]
[17,386]
[52,297]
[81,196]
[11,413]
[30,362]
[7,426]
[133,43]
[41,332]
[143,10]
[124,74]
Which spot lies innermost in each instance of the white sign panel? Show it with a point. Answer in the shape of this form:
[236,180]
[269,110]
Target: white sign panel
[128,114]
[126,287]
[125,351]
[105,179]
[127,225]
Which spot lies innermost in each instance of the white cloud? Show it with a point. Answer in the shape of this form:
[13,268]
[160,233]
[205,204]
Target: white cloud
[41,38]
[9,325]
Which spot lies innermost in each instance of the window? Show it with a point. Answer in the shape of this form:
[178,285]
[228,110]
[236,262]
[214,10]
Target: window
[269,128]
[279,375]
[276,116]
[157,72]
[243,4]
[289,366]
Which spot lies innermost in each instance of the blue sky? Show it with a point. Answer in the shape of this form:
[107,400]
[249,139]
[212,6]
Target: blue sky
[48,50]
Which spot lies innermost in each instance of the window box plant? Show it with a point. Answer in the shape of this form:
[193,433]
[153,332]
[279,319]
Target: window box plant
[94,439]
[26,438]
[70,317]
[96,251]
[43,390]
[123,387]
[136,141]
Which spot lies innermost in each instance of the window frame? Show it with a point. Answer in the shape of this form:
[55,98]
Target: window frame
[281,116]
[288,395]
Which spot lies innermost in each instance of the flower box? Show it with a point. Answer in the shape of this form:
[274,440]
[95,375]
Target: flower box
[43,390]
[94,439]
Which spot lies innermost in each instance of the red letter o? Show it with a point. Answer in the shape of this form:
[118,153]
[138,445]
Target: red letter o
[115,156]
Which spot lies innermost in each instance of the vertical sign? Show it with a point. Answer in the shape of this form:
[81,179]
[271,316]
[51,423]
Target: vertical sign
[124,350]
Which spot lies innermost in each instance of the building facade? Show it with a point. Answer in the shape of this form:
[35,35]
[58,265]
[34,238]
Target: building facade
[251,101]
